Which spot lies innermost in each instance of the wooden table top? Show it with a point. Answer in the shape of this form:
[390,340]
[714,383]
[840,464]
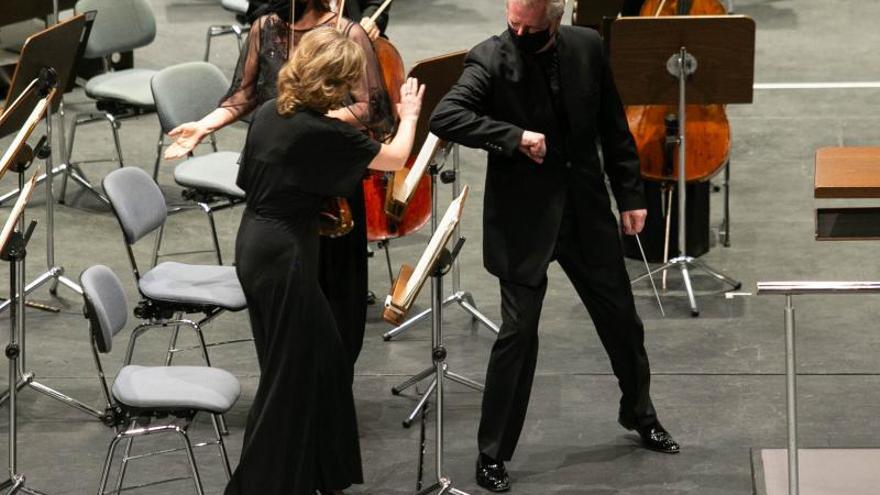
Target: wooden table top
[847,172]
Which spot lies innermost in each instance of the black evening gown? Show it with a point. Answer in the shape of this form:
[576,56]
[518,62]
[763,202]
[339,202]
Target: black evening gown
[301,433]
[255,81]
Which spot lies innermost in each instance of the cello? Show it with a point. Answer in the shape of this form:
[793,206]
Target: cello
[708,130]
[385,221]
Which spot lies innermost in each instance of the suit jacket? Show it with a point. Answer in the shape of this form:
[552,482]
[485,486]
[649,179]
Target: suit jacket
[502,92]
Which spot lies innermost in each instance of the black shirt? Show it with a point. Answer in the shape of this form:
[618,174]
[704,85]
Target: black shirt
[549,62]
[290,163]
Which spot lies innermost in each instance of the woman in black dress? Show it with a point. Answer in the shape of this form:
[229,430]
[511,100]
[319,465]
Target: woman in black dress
[301,433]
[271,41]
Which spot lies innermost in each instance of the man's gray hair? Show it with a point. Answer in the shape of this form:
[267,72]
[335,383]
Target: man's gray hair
[555,8]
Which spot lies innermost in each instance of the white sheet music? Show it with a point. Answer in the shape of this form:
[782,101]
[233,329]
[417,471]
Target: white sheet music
[438,241]
[423,160]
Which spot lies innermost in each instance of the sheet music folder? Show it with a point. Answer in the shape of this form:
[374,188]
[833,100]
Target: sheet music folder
[407,180]
[410,280]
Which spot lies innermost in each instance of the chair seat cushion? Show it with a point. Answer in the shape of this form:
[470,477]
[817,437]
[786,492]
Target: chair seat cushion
[237,6]
[176,387]
[215,172]
[199,285]
[130,86]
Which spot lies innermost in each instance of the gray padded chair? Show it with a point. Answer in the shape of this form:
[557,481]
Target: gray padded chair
[237,7]
[120,26]
[141,395]
[169,289]
[187,92]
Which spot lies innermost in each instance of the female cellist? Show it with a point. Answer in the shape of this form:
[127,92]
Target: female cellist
[272,38]
[301,433]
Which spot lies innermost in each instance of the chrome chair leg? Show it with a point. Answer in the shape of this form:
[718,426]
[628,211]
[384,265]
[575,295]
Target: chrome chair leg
[158,245]
[108,462]
[124,464]
[221,445]
[114,128]
[159,146]
[208,37]
[197,480]
[172,344]
[210,213]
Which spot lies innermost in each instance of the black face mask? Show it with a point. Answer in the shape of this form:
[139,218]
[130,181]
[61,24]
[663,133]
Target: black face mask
[530,42]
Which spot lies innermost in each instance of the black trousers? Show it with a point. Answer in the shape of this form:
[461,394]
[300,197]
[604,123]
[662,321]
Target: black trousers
[605,291]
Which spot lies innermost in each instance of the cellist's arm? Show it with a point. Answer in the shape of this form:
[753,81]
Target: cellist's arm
[393,156]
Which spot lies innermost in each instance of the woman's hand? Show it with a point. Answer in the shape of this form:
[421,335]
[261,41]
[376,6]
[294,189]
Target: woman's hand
[186,137]
[371,28]
[411,94]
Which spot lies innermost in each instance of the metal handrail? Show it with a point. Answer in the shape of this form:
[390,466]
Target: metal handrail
[817,287]
[789,289]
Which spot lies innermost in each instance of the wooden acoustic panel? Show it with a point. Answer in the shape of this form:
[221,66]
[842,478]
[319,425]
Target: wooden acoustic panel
[847,172]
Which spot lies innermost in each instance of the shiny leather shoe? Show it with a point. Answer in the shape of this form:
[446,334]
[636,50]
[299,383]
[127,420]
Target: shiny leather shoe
[492,475]
[655,437]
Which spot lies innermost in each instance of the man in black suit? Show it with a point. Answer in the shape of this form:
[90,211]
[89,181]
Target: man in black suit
[537,98]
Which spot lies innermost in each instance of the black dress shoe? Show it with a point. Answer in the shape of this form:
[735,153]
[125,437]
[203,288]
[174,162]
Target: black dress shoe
[492,475]
[654,437]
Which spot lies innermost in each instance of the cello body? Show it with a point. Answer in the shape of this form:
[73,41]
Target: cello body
[708,130]
[378,185]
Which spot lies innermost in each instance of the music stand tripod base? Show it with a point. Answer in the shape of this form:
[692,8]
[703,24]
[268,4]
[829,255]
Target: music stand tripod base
[684,263]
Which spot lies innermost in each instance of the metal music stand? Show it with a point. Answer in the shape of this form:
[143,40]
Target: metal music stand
[439,74]
[13,244]
[429,372]
[55,47]
[684,60]
[443,261]
[444,264]
[42,87]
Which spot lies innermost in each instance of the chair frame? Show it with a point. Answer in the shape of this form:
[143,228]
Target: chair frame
[131,423]
[205,200]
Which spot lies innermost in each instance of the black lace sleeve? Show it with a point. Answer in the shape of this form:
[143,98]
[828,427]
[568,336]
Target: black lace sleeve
[369,101]
[256,73]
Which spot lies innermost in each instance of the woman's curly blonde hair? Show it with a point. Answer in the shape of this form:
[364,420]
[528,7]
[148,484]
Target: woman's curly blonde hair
[319,76]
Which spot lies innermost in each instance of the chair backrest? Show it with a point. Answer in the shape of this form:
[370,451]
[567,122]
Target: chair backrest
[137,202]
[105,305]
[187,92]
[121,25]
